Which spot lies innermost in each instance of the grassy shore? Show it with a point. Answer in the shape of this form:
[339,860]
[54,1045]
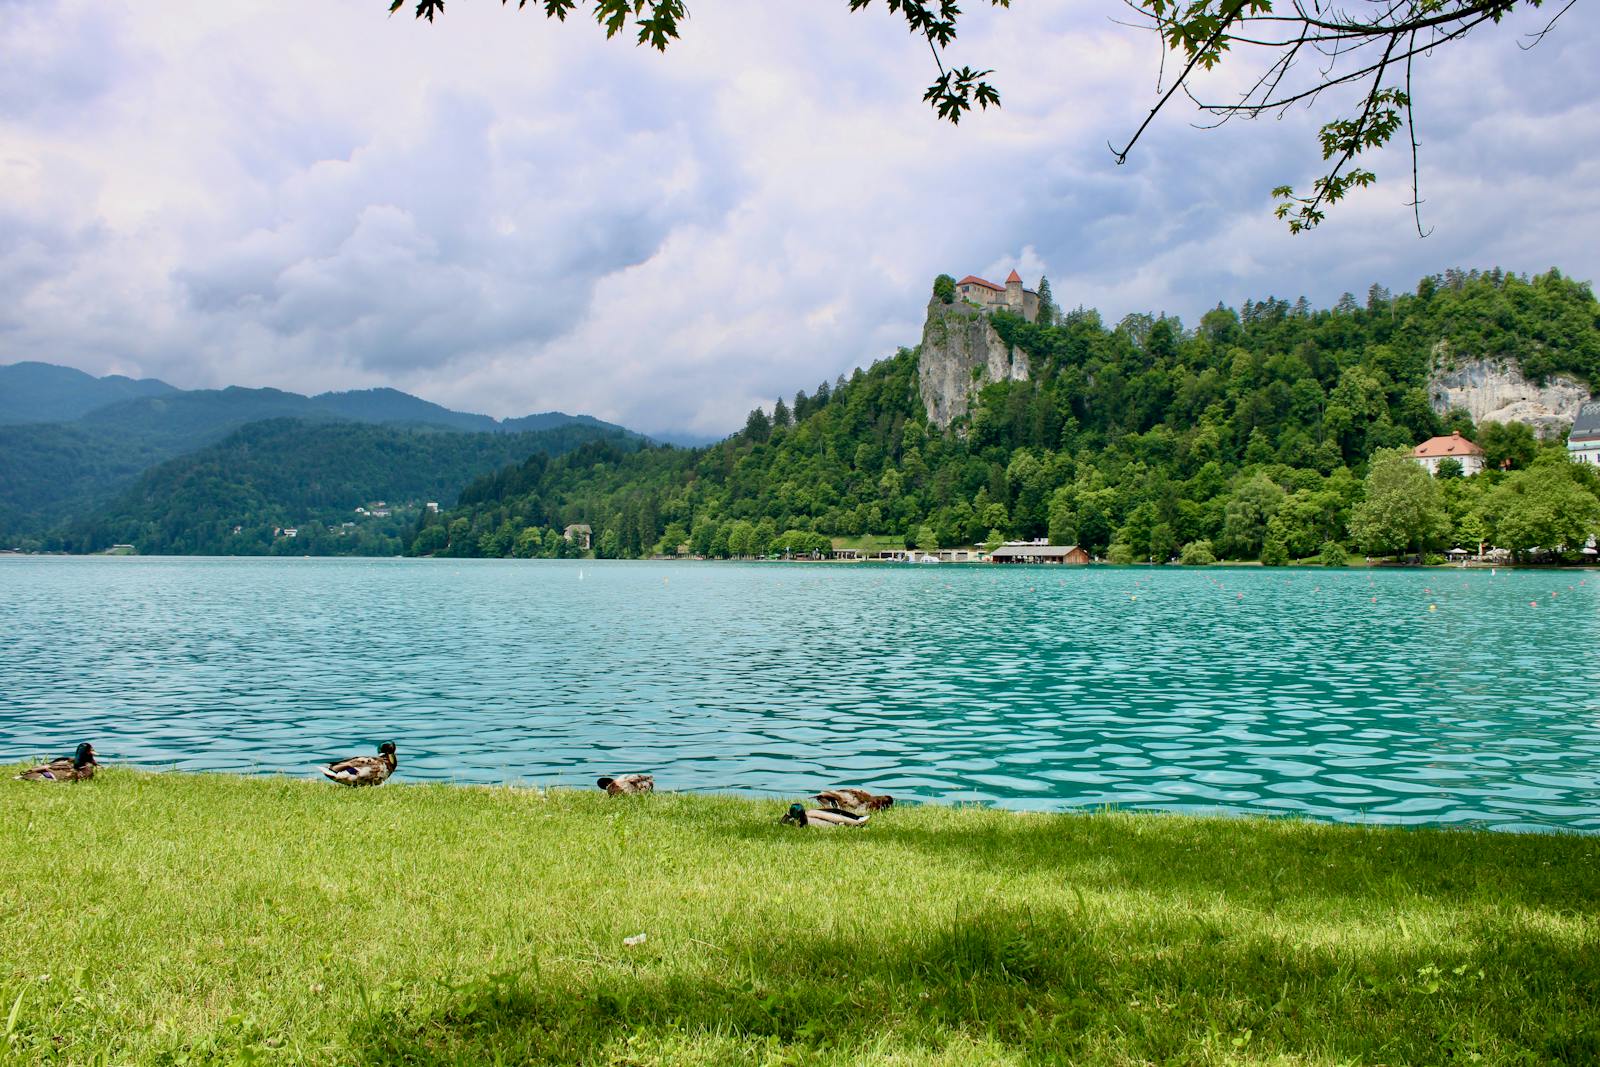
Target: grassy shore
[212,919]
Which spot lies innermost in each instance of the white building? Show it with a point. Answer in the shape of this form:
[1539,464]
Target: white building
[1430,453]
[1583,443]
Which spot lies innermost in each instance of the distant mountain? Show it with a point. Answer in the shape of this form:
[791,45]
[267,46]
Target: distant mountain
[391,405]
[52,472]
[686,440]
[44,392]
[310,477]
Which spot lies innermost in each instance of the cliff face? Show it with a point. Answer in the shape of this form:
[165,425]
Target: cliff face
[961,354]
[1497,391]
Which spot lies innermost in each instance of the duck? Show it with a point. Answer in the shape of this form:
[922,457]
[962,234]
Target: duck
[856,801]
[800,815]
[628,784]
[78,767]
[364,770]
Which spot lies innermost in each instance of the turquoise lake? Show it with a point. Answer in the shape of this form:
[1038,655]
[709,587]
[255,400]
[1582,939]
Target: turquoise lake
[1328,694]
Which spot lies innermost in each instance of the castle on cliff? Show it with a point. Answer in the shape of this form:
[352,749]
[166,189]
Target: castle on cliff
[1011,296]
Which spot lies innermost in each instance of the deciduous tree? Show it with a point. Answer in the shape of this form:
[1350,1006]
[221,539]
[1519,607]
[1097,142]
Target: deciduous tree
[1403,509]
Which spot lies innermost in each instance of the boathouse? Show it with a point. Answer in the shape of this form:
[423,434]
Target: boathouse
[1034,552]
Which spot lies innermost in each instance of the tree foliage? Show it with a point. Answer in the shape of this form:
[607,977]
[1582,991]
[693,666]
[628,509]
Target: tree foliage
[1362,52]
[238,496]
[1256,426]
[1403,509]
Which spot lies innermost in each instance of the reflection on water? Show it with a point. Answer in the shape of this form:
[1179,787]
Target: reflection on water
[1332,694]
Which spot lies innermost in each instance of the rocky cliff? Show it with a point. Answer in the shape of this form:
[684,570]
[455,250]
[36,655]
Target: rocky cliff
[1497,391]
[960,354]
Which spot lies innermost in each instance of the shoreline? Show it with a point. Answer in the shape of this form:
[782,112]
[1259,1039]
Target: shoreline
[776,799]
[1375,565]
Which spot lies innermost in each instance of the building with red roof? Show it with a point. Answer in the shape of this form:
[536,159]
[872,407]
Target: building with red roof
[1009,297]
[1435,450]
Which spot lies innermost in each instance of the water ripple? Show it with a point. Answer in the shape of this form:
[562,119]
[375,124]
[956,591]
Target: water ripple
[1334,695]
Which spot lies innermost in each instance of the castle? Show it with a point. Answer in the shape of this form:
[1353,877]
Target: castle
[1011,296]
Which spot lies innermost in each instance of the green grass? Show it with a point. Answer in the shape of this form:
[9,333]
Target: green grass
[871,543]
[213,919]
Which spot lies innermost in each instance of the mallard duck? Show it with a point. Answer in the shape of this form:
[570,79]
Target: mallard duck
[851,799]
[801,816]
[628,784]
[364,770]
[78,767]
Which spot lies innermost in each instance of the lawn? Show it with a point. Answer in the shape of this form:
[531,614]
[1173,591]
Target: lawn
[870,544]
[214,919]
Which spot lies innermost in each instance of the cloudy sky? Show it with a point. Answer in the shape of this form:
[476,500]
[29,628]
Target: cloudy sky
[505,214]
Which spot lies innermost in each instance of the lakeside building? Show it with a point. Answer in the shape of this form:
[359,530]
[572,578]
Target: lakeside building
[1009,297]
[1038,552]
[1430,453]
[578,532]
[1583,442]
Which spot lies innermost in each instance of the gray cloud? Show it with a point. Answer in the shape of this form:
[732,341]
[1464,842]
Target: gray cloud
[505,214]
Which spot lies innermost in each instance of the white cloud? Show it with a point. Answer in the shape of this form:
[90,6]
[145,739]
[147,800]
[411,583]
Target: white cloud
[505,214]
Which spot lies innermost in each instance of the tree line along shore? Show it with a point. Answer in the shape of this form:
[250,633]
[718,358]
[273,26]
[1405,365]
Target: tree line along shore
[1258,433]
[1269,433]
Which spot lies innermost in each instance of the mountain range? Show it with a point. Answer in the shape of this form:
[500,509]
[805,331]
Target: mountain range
[70,443]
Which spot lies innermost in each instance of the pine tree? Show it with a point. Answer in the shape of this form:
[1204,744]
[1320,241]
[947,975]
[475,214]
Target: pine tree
[1047,307]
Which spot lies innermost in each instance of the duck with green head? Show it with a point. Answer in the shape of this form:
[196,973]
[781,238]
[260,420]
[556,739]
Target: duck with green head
[78,767]
[800,815]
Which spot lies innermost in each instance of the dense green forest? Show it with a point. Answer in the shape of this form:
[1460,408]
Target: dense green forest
[1264,432]
[289,473]
[70,443]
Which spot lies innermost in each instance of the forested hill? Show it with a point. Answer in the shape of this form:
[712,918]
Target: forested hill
[1251,432]
[288,473]
[111,430]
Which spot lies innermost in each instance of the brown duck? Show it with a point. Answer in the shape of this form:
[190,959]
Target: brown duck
[78,767]
[628,784]
[364,770]
[856,801]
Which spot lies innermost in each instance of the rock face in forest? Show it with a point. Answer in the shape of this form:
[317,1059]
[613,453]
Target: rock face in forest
[1496,390]
[961,353]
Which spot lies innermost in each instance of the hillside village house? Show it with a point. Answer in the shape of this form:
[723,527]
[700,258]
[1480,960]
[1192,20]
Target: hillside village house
[1010,297]
[578,533]
[1583,443]
[1430,453]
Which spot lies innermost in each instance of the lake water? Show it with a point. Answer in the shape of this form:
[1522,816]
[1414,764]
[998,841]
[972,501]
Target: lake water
[1438,697]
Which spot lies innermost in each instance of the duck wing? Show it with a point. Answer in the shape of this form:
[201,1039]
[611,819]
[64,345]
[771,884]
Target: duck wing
[57,770]
[855,801]
[358,770]
[629,784]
